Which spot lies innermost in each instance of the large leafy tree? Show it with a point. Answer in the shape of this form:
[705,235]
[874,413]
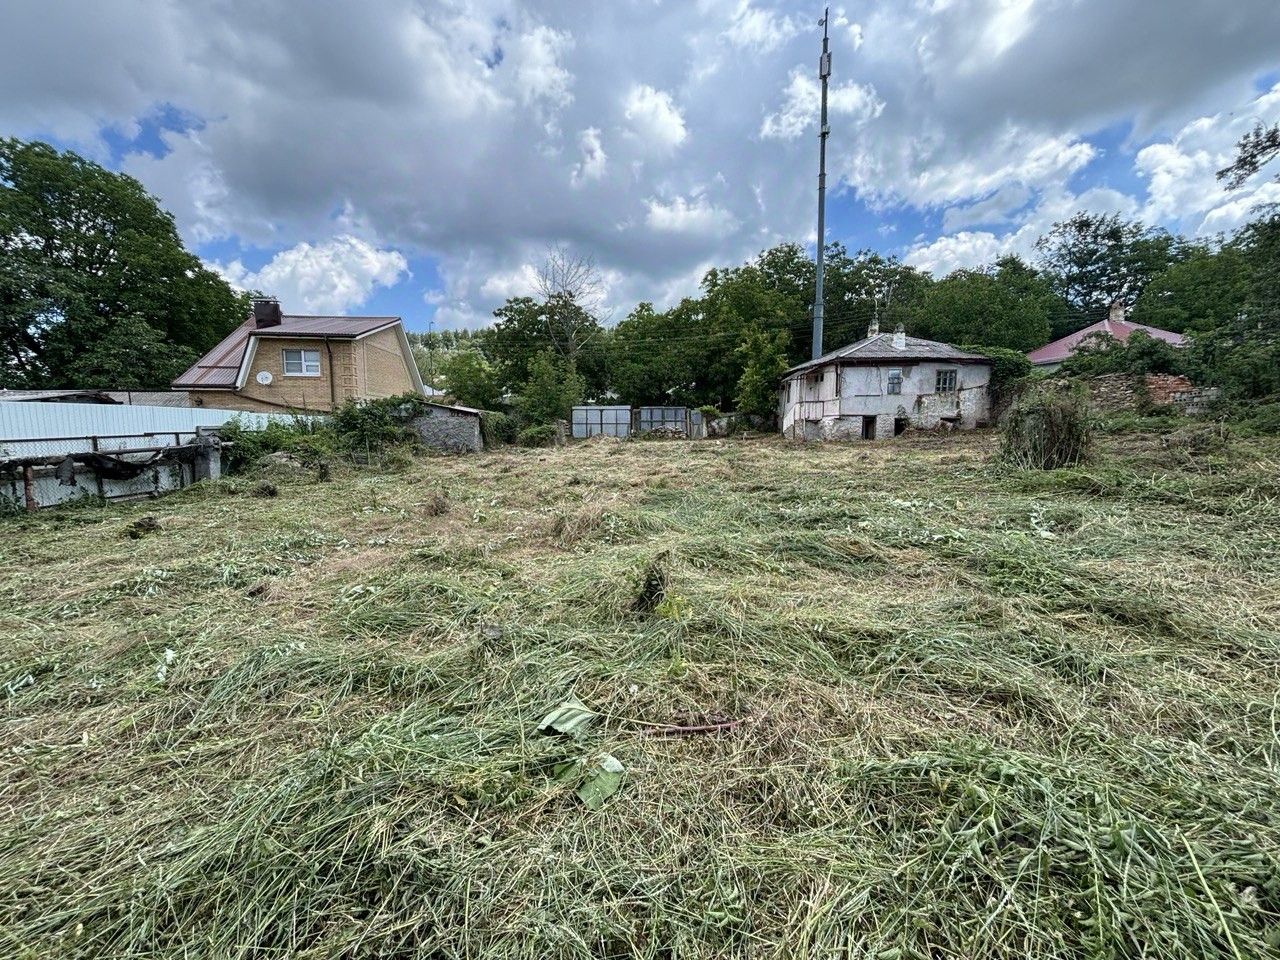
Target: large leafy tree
[96,288]
[1008,306]
[1201,293]
[764,361]
[1096,260]
[526,328]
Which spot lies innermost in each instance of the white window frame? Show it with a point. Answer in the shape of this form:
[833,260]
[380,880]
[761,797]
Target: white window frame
[306,362]
[948,373]
[894,380]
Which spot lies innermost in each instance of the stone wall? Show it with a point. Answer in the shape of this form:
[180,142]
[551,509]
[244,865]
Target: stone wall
[449,430]
[1118,392]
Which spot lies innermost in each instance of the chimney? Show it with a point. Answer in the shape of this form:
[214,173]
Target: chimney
[900,337]
[266,312]
[874,329]
[1117,312]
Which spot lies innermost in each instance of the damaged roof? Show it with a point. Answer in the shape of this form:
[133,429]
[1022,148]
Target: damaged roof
[881,349]
[220,366]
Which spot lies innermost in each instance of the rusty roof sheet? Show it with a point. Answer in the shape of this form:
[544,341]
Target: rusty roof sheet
[880,349]
[219,368]
[1121,330]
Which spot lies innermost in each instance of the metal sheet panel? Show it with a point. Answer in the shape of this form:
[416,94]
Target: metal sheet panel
[594,421]
[36,429]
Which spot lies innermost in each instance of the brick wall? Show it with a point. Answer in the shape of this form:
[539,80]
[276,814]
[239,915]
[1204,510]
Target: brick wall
[373,367]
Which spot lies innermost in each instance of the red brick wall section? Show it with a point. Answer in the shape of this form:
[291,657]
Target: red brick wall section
[1161,387]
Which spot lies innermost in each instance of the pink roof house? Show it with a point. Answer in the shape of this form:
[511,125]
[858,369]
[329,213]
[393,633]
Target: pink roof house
[1052,354]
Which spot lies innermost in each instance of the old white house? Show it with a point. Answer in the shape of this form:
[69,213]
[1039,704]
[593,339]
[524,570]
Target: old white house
[881,385]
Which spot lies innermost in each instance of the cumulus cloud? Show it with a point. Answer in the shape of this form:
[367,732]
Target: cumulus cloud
[594,159]
[654,117]
[539,73]
[658,137]
[801,107]
[329,277]
[760,28]
[692,216]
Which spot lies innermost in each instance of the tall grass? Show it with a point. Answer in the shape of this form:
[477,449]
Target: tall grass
[980,713]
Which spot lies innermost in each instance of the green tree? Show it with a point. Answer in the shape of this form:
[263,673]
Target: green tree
[84,251]
[764,361]
[553,388]
[1201,293]
[1256,148]
[470,379]
[1096,260]
[1008,306]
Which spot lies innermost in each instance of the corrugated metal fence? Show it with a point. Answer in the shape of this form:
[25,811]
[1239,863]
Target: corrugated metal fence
[33,429]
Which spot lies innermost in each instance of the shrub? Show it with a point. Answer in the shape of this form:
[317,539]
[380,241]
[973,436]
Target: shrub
[1047,428]
[1264,419]
[498,427]
[311,441]
[542,435]
[710,412]
[372,425]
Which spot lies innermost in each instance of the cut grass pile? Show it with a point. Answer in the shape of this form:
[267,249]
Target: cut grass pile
[984,712]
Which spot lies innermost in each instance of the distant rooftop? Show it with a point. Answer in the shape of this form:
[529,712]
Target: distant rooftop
[1121,330]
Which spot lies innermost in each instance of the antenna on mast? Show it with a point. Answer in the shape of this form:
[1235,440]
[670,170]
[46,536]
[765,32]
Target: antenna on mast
[824,130]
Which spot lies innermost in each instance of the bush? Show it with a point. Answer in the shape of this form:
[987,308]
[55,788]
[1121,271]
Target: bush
[542,435]
[1263,420]
[371,425]
[498,428]
[1047,428]
[310,441]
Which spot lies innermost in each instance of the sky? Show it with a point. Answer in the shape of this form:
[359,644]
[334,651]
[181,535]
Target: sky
[419,157]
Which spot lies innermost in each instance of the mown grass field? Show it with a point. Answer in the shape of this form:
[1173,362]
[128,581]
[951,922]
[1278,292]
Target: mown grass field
[984,712]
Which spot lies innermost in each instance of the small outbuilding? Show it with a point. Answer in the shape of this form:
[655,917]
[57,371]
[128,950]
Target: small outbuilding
[883,384]
[449,429]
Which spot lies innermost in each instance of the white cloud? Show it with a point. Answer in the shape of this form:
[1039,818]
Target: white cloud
[594,159]
[658,137]
[330,277]
[539,73]
[696,216]
[654,117]
[1181,173]
[801,105]
[520,282]
[759,28]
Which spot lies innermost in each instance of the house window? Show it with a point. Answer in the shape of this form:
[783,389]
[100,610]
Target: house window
[895,381]
[946,382]
[301,363]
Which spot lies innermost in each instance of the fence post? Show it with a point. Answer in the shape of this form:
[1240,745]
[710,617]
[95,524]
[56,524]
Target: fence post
[97,477]
[29,487]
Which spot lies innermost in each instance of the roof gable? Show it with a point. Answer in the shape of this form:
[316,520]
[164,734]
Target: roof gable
[220,367]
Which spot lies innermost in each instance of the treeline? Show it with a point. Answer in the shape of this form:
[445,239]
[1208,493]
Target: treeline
[726,346]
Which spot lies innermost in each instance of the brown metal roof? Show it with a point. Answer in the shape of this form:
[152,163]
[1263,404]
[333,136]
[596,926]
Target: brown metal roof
[218,368]
[880,349]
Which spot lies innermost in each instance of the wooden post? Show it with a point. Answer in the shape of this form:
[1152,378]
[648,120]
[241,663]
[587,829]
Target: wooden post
[29,487]
[97,477]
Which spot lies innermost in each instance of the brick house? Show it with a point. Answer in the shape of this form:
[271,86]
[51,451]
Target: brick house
[881,385]
[278,361]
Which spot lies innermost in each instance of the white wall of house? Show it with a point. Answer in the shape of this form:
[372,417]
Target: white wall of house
[831,401]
